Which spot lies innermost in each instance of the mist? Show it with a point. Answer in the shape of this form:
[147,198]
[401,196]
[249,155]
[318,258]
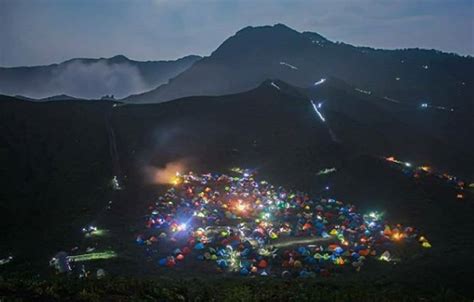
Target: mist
[77,78]
[95,80]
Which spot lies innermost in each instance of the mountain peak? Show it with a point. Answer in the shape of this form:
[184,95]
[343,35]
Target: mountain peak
[118,59]
[267,37]
[265,28]
[280,86]
[314,36]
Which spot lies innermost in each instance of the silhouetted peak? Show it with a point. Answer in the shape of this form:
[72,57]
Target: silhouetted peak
[280,86]
[314,36]
[118,59]
[281,28]
[278,36]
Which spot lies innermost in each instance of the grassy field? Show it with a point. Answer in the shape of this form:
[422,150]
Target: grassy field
[213,289]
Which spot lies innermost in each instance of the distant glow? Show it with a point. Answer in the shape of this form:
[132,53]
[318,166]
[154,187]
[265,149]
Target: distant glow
[237,170]
[320,82]
[326,171]
[385,257]
[375,215]
[288,65]
[6,260]
[233,259]
[391,100]
[426,244]
[93,256]
[300,241]
[175,181]
[317,111]
[97,233]
[241,207]
[425,168]
[394,160]
[320,105]
[115,184]
[372,218]
[275,85]
[397,236]
[444,108]
[363,91]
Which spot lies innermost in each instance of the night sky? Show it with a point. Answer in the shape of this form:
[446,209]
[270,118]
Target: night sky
[34,32]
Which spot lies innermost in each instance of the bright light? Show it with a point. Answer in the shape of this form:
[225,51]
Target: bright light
[241,207]
[408,164]
[385,257]
[397,236]
[424,105]
[317,111]
[288,65]
[93,256]
[6,260]
[425,168]
[115,184]
[320,82]
[326,171]
[175,180]
[275,85]
[372,217]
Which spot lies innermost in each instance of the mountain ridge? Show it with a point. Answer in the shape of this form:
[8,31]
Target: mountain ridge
[254,54]
[90,78]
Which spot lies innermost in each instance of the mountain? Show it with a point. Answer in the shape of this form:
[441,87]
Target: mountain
[59,97]
[58,159]
[254,54]
[90,78]
[383,126]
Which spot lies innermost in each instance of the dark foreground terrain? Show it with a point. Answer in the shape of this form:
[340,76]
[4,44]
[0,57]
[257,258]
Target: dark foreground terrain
[58,160]
[227,289]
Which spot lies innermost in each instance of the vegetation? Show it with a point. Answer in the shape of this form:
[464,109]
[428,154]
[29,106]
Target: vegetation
[226,289]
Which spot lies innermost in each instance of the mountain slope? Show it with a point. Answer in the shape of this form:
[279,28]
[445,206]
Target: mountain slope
[256,53]
[90,78]
[57,163]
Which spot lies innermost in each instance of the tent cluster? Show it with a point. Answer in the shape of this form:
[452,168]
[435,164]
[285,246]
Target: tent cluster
[251,227]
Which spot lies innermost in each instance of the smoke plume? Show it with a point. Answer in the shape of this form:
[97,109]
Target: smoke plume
[167,174]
